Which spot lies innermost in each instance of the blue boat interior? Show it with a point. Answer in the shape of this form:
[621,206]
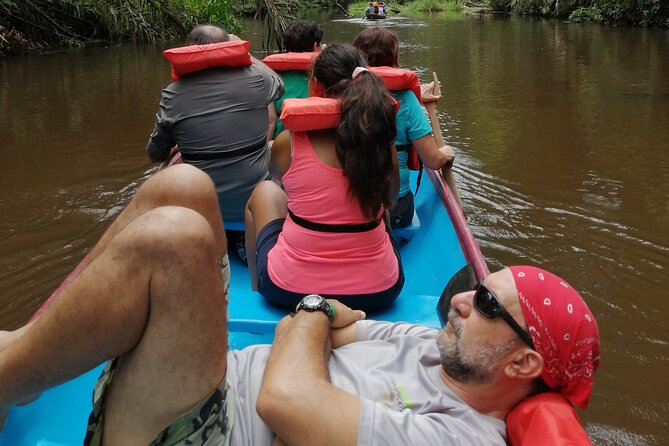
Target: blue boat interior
[431,255]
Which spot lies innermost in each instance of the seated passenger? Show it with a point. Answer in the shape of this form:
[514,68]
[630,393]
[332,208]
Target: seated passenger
[370,9]
[380,47]
[301,39]
[325,233]
[219,119]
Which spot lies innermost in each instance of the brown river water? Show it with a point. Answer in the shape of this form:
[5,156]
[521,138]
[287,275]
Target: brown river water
[562,135]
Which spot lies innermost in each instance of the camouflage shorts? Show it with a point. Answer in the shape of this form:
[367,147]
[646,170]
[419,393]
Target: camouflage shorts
[208,423]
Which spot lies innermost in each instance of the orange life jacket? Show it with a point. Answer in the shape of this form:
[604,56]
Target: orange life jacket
[187,59]
[317,113]
[301,115]
[291,61]
[398,79]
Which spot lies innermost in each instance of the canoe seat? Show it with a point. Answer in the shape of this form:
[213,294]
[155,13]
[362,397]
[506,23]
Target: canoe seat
[407,232]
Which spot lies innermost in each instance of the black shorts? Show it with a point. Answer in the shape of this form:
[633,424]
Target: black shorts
[267,238]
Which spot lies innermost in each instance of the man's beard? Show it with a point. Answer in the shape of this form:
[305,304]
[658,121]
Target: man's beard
[473,367]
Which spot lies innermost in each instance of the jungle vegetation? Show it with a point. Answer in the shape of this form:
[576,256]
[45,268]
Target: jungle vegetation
[36,25]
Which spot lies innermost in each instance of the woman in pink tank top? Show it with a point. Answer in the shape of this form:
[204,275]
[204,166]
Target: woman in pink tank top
[324,232]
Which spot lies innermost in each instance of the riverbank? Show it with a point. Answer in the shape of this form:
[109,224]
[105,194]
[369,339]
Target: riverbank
[41,25]
[416,8]
[610,12]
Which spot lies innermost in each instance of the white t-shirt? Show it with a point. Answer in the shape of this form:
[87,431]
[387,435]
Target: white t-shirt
[395,370]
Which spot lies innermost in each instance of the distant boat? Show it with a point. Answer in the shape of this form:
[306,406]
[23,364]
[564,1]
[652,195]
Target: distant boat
[373,16]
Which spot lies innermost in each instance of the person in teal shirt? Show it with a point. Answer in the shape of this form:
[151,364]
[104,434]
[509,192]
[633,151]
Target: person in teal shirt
[381,48]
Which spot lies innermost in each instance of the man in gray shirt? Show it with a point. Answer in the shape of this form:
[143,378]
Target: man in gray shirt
[159,310]
[219,118]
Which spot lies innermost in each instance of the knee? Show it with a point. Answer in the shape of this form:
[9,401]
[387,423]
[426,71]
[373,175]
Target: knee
[266,192]
[181,182]
[170,231]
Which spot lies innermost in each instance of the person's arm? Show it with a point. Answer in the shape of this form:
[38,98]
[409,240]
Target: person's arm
[432,156]
[271,112]
[296,399]
[280,156]
[160,142]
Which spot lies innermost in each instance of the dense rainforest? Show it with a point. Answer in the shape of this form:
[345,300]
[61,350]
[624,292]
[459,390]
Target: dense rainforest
[37,25]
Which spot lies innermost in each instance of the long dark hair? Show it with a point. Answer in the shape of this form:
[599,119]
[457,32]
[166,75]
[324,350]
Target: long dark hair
[364,137]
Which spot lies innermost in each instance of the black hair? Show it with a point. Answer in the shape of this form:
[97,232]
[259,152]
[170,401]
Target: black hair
[365,135]
[301,35]
[204,34]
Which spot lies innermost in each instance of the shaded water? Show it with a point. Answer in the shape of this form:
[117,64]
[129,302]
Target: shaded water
[562,133]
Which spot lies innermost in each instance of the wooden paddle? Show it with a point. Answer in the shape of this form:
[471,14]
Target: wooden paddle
[436,130]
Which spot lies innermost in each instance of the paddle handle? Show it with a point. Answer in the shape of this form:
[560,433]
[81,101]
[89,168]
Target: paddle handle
[436,131]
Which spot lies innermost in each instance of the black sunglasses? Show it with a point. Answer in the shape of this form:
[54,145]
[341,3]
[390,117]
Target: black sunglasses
[488,305]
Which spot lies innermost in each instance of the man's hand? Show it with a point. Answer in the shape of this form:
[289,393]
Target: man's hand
[426,93]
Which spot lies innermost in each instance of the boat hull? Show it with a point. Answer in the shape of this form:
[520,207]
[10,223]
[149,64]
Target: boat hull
[430,258]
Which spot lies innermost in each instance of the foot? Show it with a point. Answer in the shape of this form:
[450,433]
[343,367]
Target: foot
[240,248]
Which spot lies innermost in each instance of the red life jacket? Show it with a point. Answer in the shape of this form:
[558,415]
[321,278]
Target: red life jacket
[301,115]
[546,419]
[187,59]
[398,79]
[291,61]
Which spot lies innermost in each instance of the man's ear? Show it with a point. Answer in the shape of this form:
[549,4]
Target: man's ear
[524,364]
[317,47]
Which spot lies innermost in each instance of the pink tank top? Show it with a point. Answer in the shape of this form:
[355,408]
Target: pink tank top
[306,261]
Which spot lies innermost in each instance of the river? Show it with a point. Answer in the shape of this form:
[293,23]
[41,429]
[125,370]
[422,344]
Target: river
[562,136]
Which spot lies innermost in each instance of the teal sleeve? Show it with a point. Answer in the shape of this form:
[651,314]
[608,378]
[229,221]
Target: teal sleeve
[412,124]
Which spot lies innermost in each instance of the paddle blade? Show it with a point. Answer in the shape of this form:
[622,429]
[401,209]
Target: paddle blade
[462,281]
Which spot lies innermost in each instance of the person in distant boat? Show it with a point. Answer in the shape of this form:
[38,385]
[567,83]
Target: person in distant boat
[382,8]
[300,36]
[380,46]
[370,9]
[158,312]
[324,231]
[219,118]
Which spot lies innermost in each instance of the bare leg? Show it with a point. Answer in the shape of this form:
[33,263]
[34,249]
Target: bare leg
[154,296]
[180,185]
[267,202]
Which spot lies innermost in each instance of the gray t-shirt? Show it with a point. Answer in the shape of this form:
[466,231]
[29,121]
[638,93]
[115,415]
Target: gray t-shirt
[395,369]
[219,119]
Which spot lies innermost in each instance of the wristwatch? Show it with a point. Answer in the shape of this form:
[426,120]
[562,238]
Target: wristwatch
[315,302]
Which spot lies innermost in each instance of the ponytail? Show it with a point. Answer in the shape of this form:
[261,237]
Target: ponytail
[365,135]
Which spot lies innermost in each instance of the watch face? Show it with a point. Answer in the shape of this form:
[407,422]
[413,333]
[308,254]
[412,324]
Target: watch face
[312,301]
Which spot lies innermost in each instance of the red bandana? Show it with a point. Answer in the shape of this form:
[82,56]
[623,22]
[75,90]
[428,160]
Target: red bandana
[563,330]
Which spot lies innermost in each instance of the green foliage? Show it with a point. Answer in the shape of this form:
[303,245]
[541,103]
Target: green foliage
[500,5]
[217,12]
[429,6]
[38,24]
[629,12]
